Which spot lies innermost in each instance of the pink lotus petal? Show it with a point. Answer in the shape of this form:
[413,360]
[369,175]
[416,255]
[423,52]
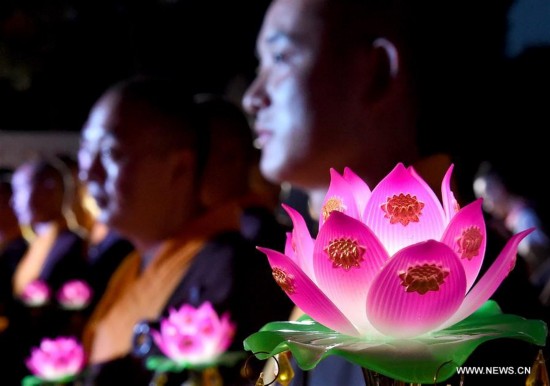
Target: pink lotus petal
[347,258]
[56,358]
[360,189]
[206,313]
[490,281]
[36,293]
[159,341]
[208,327]
[419,288]
[183,318]
[339,198]
[289,248]
[74,294]
[421,216]
[180,347]
[466,235]
[421,181]
[305,293]
[347,279]
[227,332]
[302,242]
[194,335]
[450,204]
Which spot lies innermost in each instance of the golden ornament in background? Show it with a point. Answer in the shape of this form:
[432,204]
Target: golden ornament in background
[286,373]
[539,373]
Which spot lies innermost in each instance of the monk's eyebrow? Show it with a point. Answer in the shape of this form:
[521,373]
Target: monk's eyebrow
[270,40]
[277,36]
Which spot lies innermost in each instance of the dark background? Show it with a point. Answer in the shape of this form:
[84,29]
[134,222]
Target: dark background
[57,56]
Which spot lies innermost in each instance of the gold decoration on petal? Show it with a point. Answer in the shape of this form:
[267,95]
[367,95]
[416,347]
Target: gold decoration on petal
[402,208]
[332,204]
[456,207]
[512,264]
[345,253]
[293,243]
[469,242]
[284,280]
[422,278]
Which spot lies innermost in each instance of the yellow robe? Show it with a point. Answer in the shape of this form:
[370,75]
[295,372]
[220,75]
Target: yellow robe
[133,296]
[31,264]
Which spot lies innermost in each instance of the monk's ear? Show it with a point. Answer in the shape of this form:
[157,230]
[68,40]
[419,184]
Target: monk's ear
[384,67]
[390,55]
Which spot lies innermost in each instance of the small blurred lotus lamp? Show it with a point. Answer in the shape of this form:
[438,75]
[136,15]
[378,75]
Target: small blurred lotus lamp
[392,277]
[74,295]
[55,361]
[195,339]
[36,294]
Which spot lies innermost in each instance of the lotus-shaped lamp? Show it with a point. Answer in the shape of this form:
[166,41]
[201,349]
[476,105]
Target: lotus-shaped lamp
[57,360]
[194,338]
[392,264]
[74,295]
[37,293]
